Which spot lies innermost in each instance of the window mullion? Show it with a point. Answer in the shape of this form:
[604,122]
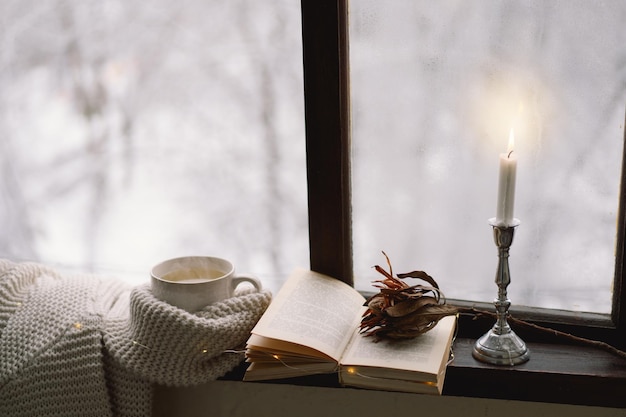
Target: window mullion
[327,115]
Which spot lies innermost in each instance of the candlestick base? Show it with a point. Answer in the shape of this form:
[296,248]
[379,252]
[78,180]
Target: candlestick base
[501,349]
[500,345]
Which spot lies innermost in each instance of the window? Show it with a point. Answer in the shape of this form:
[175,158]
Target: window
[109,134]
[435,92]
[134,132]
[329,146]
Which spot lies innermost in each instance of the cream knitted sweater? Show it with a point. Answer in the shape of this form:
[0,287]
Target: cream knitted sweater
[89,346]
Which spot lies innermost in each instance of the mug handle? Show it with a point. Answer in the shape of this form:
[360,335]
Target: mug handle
[245,278]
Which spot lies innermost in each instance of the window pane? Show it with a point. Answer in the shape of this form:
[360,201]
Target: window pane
[436,88]
[135,131]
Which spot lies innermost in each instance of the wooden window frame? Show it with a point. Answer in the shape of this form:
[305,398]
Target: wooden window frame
[327,119]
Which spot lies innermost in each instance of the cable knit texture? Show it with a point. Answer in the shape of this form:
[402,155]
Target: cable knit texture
[88,346]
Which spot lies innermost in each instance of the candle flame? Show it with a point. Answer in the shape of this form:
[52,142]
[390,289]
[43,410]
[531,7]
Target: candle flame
[509,149]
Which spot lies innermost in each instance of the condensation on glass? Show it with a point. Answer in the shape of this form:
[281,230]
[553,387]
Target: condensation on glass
[436,88]
[132,132]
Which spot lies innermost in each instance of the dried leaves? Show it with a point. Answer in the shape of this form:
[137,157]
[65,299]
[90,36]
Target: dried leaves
[400,310]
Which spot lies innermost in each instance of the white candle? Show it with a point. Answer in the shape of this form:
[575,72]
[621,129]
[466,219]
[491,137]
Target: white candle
[506,185]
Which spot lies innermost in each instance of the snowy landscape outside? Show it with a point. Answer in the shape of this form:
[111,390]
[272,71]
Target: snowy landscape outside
[133,132]
[436,88]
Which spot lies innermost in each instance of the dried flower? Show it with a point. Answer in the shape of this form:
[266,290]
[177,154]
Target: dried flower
[400,310]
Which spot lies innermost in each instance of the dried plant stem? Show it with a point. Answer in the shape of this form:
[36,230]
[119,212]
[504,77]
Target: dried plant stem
[403,311]
[559,334]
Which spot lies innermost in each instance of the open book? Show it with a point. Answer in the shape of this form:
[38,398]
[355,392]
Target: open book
[312,326]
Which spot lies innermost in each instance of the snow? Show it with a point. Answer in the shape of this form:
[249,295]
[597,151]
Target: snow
[465,74]
[134,132]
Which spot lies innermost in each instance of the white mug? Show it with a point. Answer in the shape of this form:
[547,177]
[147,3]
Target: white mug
[193,282]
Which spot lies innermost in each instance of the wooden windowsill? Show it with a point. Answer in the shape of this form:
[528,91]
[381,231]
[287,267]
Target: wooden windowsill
[556,373]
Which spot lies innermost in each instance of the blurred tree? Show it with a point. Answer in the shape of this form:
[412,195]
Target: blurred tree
[168,116]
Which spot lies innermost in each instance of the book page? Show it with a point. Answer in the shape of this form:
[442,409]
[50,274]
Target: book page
[424,354]
[313,310]
[270,346]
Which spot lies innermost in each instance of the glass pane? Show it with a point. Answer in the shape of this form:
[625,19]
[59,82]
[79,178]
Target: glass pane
[133,132]
[436,88]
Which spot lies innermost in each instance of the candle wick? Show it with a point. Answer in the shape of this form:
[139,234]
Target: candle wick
[509,155]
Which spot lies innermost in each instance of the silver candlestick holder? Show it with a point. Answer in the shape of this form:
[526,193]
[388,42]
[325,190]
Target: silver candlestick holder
[500,345]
